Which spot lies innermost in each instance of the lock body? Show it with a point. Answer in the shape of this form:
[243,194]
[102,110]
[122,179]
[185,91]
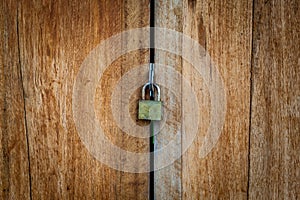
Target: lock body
[150,110]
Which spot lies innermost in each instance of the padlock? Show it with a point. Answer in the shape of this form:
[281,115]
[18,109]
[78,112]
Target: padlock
[150,109]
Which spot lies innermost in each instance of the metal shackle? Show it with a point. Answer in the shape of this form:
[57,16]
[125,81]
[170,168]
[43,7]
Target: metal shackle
[144,90]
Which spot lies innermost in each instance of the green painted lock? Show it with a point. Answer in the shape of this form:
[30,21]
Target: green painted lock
[150,109]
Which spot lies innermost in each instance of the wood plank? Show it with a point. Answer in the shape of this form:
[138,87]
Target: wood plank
[168,14]
[223,28]
[275,141]
[134,185]
[56,36]
[14,162]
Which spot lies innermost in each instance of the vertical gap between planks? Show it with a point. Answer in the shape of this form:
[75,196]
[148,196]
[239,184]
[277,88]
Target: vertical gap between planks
[251,97]
[24,99]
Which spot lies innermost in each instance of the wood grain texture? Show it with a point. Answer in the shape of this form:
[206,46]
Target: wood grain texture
[223,28]
[14,162]
[134,185]
[275,139]
[56,36]
[43,44]
[168,14]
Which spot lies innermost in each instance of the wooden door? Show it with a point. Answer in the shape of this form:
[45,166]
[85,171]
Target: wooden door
[254,45]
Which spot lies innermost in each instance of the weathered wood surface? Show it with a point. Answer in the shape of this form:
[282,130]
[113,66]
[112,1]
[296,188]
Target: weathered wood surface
[43,44]
[275,109]
[223,28]
[14,162]
[168,179]
[55,37]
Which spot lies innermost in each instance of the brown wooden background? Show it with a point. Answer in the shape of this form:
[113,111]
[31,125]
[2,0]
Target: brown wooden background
[255,45]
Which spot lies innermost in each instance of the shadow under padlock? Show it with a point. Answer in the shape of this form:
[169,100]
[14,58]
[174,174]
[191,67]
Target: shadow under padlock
[150,109]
